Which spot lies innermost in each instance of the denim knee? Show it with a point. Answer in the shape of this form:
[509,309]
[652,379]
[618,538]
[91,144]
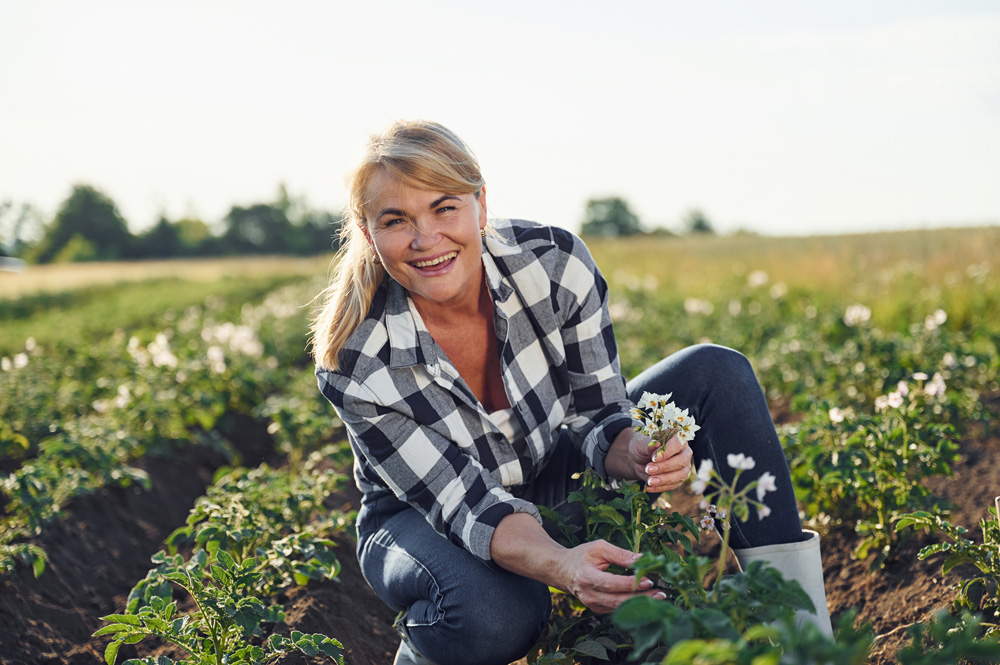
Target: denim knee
[480,627]
[457,609]
[699,371]
[714,362]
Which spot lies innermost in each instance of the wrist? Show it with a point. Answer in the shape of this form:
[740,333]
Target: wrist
[617,464]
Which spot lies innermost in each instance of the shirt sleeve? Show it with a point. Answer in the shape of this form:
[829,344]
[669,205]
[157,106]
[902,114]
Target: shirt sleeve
[600,404]
[457,496]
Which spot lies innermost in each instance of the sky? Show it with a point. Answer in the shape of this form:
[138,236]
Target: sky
[783,117]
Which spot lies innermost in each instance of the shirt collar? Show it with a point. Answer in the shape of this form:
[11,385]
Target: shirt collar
[498,242]
[409,341]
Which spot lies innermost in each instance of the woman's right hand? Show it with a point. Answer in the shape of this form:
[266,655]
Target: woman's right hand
[584,569]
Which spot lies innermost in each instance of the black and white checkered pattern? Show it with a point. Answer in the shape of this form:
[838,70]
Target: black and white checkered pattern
[417,429]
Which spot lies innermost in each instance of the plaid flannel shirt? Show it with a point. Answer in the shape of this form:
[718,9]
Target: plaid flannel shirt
[419,432]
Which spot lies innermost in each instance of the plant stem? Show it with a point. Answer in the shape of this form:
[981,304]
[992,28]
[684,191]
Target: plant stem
[723,556]
[720,567]
[638,526]
[996,505]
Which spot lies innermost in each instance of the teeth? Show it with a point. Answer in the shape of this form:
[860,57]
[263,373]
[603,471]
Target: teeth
[433,262]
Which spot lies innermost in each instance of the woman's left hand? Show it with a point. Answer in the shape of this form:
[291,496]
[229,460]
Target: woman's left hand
[631,458]
[670,467]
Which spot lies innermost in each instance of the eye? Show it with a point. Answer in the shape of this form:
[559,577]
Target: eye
[446,208]
[395,221]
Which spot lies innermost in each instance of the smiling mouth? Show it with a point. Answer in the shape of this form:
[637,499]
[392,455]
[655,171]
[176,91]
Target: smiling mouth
[431,263]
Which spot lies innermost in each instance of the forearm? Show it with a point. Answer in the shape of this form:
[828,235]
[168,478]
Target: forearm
[520,545]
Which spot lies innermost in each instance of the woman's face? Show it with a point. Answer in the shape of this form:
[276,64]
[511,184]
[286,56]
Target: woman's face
[429,241]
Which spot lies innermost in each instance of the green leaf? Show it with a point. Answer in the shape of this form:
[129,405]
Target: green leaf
[111,652]
[38,565]
[591,648]
[952,561]
[637,611]
[329,646]
[770,658]
[307,647]
[113,628]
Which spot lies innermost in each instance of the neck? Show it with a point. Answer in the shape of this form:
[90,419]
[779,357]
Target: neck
[475,305]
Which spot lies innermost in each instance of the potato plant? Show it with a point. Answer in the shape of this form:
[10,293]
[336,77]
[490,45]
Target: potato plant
[701,604]
[980,593]
[125,399]
[225,626]
[949,638]
[867,470]
[275,516]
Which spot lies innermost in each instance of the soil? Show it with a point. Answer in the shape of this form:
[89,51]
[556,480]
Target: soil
[102,546]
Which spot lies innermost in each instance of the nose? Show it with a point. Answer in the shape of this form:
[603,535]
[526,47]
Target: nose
[425,235]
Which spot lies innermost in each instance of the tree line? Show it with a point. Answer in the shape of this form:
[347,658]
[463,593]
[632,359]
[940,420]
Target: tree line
[89,227]
[611,218]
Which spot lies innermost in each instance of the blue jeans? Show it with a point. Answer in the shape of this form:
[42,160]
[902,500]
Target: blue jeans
[460,611]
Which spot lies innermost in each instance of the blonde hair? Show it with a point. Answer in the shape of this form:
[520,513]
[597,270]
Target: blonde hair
[417,153]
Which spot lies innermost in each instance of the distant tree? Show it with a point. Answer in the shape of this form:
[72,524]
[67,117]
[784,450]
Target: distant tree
[609,217]
[194,236]
[159,242]
[261,228]
[93,218]
[77,248]
[314,231]
[20,227]
[696,222]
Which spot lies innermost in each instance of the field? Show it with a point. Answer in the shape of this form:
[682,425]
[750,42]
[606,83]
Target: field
[171,407]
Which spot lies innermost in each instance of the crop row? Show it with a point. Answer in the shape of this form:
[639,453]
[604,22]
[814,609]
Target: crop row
[73,422]
[254,532]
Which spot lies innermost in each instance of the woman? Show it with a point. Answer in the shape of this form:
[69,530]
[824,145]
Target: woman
[475,367]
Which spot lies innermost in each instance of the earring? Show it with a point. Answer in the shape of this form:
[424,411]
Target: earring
[376,259]
[482,232]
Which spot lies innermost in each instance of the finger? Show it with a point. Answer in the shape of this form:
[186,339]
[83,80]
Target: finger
[668,481]
[618,584]
[616,555]
[604,603]
[678,462]
[672,447]
[641,449]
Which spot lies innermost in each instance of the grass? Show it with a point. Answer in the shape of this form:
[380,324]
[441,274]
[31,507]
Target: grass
[68,302]
[698,265]
[950,268]
[65,277]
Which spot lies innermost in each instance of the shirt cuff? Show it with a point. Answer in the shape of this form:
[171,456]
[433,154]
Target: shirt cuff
[482,531]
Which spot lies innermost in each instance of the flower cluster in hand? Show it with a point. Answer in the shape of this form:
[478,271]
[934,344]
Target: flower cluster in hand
[662,420]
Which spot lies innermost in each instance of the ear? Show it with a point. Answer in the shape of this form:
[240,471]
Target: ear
[481,199]
[367,234]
